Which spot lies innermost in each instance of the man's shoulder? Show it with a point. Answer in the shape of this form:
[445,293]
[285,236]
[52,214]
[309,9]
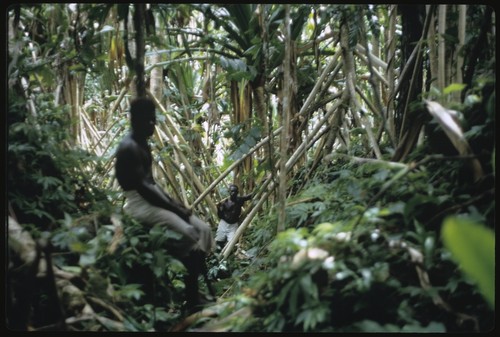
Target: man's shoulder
[128,149]
[127,143]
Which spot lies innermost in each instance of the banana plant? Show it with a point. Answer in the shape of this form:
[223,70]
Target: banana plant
[252,33]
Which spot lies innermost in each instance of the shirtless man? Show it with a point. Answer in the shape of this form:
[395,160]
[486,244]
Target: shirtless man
[150,205]
[229,211]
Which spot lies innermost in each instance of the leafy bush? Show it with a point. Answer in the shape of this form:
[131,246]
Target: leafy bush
[354,260]
[127,266]
[43,178]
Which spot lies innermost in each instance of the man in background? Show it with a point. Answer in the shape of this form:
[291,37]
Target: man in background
[229,212]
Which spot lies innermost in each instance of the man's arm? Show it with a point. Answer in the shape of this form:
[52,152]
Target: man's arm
[247,197]
[156,197]
[153,195]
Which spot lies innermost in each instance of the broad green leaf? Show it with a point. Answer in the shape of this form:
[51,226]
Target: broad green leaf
[473,247]
[453,87]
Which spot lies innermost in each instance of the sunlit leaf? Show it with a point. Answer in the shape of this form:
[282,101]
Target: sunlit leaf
[447,120]
[453,87]
[473,247]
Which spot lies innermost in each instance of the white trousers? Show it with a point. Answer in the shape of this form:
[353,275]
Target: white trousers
[225,231]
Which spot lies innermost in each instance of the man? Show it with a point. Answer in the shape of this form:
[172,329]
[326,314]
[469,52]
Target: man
[229,211]
[150,205]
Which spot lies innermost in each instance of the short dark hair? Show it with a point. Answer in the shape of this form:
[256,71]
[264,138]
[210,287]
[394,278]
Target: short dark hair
[233,187]
[141,106]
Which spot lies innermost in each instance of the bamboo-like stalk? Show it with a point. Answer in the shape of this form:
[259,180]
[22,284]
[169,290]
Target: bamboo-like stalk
[441,78]
[70,99]
[418,56]
[198,186]
[390,54]
[193,177]
[376,106]
[323,96]
[232,166]
[304,110]
[350,87]
[319,82]
[138,20]
[308,45]
[403,75]
[123,91]
[284,141]
[376,91]
[156,77]
[241,99]
[360,160]
[170,176]
[109,165]
[164,64]
[326,145]
[89,128]
[167,169]
[270,184]
[377,61]
[462,11]
[301,150]
[432,53]
[369,103]
[448,71]
[181,179]
[170,124]
[373,71]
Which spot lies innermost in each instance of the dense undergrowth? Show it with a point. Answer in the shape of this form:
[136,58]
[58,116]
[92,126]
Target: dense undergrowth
[347,266]
[363,251]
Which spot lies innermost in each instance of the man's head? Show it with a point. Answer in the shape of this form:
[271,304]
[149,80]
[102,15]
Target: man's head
[142,116]
[233,191]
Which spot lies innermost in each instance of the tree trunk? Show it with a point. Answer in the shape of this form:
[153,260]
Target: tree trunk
[156,77]
[391,54]
[433,59]
[409,123]
[441,78]
[411,19]
[462,12]
[139,12]
[287,93]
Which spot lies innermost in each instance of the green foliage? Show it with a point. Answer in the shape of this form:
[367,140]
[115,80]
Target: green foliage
[473,247]
[243,141]
[453,88]
[367,280]
[43,179]
[237,69]
[359,237]
[144,249]
[146,279]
